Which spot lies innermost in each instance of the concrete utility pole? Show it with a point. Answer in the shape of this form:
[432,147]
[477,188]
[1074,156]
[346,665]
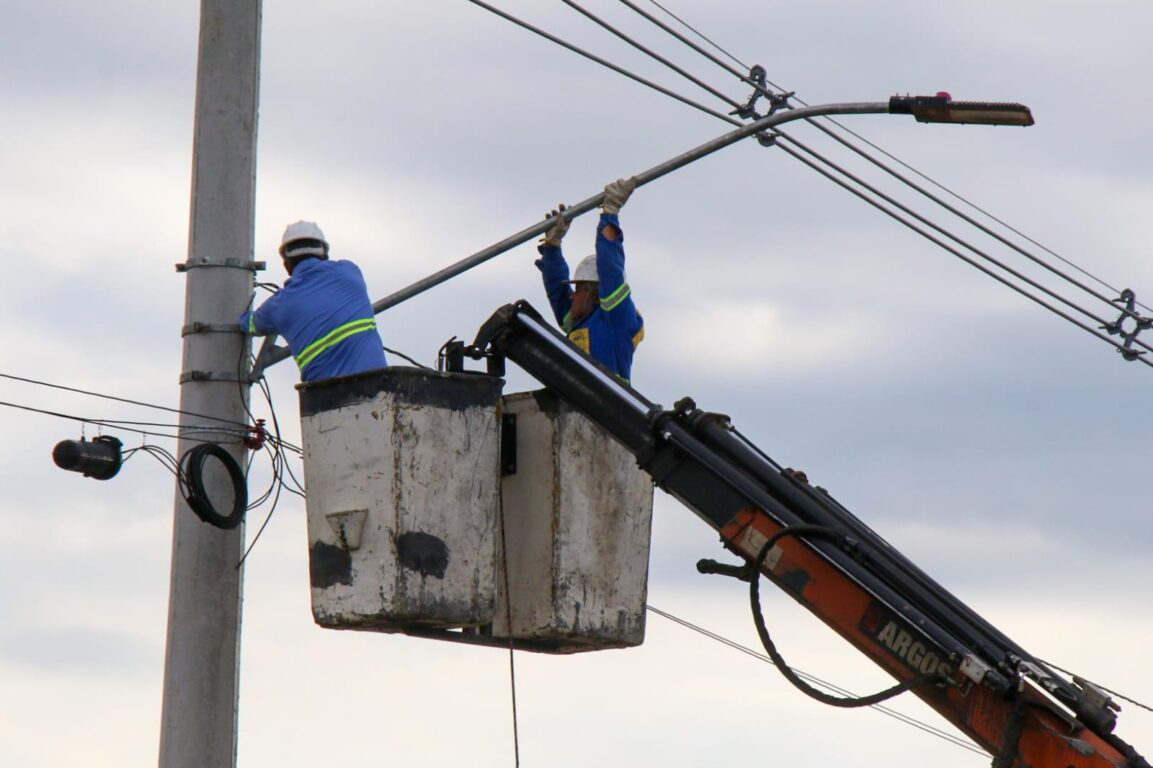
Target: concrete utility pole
[198,726]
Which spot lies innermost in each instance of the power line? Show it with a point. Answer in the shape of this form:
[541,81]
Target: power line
[910,183]
[680,71]
[967,202]
[603,62]
[818,124]
[944,735]
[274,445]
[1114,327]
[117,399]
[657,22]
[888,199]
[110,423]
[689,27]
[960,255]
[898,176]
[1111,692]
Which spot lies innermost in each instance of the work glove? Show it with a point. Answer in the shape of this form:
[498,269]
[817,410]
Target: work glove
[617,194]
[557,231]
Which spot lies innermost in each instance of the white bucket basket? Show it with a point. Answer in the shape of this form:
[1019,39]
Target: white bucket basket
[402,468]
[577,524]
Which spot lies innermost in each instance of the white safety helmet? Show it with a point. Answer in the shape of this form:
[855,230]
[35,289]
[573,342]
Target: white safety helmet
[303,238]
[586,270]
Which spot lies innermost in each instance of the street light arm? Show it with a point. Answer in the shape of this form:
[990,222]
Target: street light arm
[645,177]
[918,106]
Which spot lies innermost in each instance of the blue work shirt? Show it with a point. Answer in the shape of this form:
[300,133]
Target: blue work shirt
[324,313]
[614,328]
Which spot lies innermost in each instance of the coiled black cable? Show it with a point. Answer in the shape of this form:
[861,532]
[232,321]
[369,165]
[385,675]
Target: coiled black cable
[194,492]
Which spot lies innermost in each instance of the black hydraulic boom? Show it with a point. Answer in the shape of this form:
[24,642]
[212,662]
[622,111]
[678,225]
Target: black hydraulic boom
[1008,701]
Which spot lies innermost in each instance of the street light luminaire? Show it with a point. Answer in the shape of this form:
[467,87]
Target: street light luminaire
[942,109]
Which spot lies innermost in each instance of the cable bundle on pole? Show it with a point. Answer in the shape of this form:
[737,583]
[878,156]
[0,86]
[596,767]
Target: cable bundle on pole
[193,488]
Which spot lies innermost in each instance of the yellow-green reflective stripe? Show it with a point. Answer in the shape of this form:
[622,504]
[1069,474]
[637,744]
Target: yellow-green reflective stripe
[252,324]
[566,324]
[337,335]
[616,297]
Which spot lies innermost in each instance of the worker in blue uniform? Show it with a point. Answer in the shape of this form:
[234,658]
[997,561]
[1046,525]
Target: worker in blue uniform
[595,308]
[323,310]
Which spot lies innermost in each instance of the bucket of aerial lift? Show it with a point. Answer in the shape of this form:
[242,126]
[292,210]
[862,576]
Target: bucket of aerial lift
[402,468]
[577,515]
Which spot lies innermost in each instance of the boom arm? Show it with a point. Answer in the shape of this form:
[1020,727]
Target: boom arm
[987,686]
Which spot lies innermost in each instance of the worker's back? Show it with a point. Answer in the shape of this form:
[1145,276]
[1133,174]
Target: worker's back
[324,313]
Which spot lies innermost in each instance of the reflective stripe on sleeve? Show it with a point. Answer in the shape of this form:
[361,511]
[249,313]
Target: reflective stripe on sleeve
[331,339]
[610,302]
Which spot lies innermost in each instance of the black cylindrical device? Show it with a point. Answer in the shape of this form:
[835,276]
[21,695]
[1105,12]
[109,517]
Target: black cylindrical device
[99,458]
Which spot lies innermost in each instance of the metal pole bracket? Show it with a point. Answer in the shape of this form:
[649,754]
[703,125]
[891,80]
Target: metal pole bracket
[198,327]
[231,376]
[248,264]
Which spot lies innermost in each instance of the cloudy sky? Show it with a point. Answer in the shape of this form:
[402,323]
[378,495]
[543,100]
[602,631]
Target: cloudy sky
[1000,447]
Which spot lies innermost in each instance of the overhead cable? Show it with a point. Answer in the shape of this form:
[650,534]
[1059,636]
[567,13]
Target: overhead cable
[962,199]
[602,62]
[1123,304]
[937,227]
[679,70]
[944,735]
[118,399]
[742,75]
[689,27]
[818,123]
[928,236]
[960,214]
[1126,299]
[1111,692]
[108,423]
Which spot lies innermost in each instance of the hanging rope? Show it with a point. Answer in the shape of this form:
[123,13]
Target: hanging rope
[511,649]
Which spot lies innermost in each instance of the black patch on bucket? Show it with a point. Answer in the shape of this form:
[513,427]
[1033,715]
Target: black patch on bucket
[422,552]
[329,565]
